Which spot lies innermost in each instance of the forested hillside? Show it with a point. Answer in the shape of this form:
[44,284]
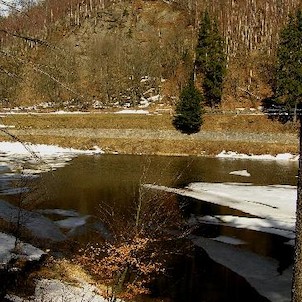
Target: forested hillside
[96,53]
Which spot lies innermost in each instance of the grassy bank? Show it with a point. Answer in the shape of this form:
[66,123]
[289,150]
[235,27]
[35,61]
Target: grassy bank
[214,122]
[220,123]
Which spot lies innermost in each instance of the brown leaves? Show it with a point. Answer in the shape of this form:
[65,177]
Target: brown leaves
[127,267]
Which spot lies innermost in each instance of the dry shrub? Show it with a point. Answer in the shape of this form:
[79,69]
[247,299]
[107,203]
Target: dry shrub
[139,246]
[125,268]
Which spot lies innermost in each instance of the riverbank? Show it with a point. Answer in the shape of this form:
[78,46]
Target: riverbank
[153,134]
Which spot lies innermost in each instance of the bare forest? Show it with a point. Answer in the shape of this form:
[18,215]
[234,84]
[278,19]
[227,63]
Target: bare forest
[98,53]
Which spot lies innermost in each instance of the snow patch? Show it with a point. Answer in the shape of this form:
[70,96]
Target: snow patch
[241,173]
[16,148]
[70,112]
[235,155]
[132,111]
[56,290]
[25,250]
[6,126]
[31,160]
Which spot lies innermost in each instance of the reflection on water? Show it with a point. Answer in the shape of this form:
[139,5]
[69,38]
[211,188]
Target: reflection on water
[114,179]
[89,180]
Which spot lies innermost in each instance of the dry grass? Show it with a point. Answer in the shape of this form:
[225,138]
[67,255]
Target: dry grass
[94,121]
[231,122]
[219,123]
[63,270]
[246,123]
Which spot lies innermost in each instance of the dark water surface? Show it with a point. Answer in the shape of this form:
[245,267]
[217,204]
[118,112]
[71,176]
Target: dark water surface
[88,180]
[114,179]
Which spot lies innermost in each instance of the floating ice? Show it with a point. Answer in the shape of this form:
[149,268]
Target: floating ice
[274,205]
[261,272]
[61,212]
[256,224]
[14,191]
[229,240]
[72,222]
[38,225]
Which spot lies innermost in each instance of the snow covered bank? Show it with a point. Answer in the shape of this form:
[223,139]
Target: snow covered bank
[56,290]
[17,148]
[37,158]
[235,155]
[25,250]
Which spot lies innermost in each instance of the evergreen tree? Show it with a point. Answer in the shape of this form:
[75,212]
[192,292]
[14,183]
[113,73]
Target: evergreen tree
[288,81]
[288,90]
[211,60]
[188,113]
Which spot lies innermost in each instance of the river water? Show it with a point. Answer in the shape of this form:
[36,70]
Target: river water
[88,181]
[82,184]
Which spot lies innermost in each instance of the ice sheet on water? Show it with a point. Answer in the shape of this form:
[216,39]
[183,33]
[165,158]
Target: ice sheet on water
[61,212]
[271,202]
[260,272]
[274,206]
[280,228]
[37,224]
[14,191]
[72,222]
[229,240]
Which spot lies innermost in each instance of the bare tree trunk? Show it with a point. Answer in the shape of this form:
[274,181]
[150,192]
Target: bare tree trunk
[297,273]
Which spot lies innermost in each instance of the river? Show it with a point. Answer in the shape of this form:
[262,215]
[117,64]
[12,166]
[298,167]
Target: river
[87,182]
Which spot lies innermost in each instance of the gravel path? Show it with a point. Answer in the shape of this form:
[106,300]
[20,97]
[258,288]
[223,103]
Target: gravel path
[279,138]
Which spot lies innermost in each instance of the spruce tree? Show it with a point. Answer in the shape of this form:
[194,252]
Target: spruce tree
[288,80]
[188,113]
[211,60]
